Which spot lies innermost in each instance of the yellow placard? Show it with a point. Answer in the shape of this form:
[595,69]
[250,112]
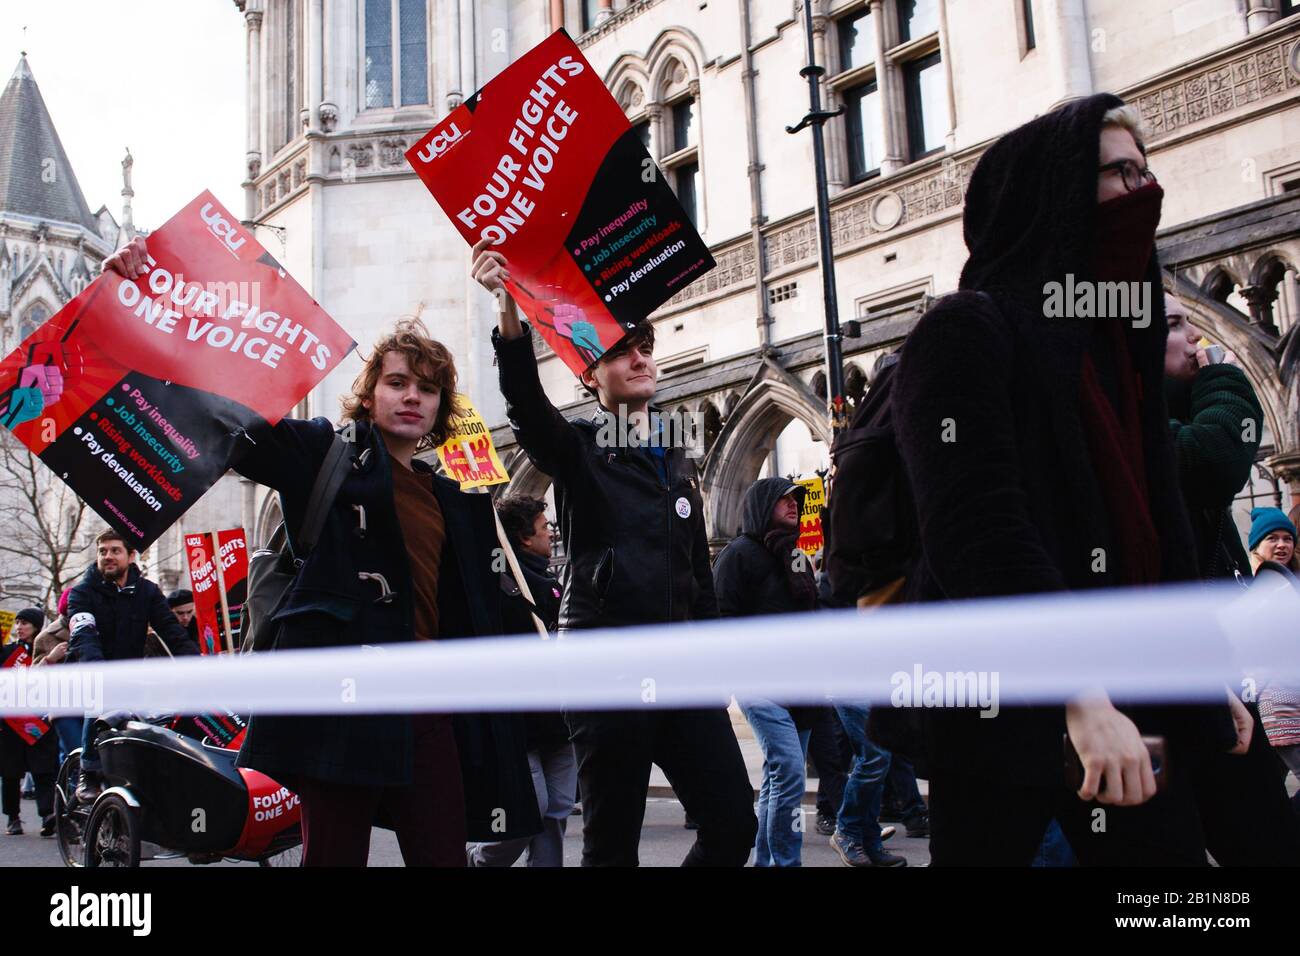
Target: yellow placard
[469,456]
[810,518]
[7,619]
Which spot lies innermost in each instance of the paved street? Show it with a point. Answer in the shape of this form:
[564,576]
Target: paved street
[664,841]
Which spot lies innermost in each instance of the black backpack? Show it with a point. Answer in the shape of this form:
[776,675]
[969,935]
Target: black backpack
[872,541]
[273,569]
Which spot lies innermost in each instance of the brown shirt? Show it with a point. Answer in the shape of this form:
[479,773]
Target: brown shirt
[423,529]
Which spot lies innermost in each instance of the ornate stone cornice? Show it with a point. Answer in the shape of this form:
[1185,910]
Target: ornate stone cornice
[1260,68]
[612,23]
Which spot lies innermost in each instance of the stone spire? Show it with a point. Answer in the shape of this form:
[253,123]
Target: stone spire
[128,224]
[36,179]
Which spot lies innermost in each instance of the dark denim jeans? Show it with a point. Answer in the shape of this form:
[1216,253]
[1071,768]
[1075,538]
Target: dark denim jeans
[780,798]
[860,811]
[89,754]
[901,792]
[831,756]
[70,730]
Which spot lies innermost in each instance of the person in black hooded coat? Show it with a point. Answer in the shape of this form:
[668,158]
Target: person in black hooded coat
[762,572]
[1061,448]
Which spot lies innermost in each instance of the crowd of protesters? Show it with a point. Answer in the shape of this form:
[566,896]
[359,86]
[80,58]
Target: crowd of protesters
[1078,436]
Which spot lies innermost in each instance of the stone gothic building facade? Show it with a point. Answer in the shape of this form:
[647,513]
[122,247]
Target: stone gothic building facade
[338,89]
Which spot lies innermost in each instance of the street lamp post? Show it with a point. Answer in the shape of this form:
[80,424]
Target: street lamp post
[815,118]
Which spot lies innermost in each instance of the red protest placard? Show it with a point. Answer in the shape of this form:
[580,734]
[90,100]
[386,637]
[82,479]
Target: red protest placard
[219,587]
[30,729]
[135,392]
[543,162]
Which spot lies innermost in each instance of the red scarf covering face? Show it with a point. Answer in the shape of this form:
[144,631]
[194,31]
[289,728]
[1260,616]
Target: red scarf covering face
[1125,238]
[1115,443]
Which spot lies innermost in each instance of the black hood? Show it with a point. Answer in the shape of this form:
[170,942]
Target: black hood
[1032,201]
[761,498]
[1031,218]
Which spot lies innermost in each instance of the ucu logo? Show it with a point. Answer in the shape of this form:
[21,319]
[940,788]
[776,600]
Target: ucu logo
[219,227]
[440,144]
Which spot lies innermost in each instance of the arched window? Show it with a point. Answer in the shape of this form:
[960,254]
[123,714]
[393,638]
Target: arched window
[818,386]
[855,384]
[1219,284]
[712,424]
[395,40]
[632,98]
[33,319]
[679,150]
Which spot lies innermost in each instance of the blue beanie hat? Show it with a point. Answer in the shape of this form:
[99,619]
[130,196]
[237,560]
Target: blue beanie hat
[1264,521]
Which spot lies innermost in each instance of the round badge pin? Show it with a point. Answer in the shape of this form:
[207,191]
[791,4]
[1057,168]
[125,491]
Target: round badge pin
[683,508]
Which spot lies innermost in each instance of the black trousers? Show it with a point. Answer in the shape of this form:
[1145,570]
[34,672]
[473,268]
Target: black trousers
[831,754]
[1244,809]
[697,751]
[11,794]
[1230,805]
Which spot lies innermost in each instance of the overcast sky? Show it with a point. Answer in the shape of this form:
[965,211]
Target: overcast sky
[164,77]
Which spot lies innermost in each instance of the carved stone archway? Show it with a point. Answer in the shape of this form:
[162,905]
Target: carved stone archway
[269,517]
[525,477]
[772,400]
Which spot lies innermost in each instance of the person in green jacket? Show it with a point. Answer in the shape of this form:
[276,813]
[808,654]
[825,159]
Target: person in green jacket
[1217,422]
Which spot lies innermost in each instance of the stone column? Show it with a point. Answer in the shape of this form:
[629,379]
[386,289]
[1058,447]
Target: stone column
[893,111]
[468,47]
[315,62]
[1260,299]
[1066,25]
[557,14]
[836,177]
[654,111]
[605,12]
[1291,299]
[455,91]
[253,157]
[1285,466]
[945,48]
[1261,14]
[328,109]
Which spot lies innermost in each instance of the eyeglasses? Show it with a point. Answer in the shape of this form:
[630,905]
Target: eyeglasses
[1134,177]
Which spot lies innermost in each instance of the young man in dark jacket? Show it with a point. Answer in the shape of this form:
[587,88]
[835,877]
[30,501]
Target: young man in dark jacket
[109,615]
[403,555]
[1038,450]
[632,520]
